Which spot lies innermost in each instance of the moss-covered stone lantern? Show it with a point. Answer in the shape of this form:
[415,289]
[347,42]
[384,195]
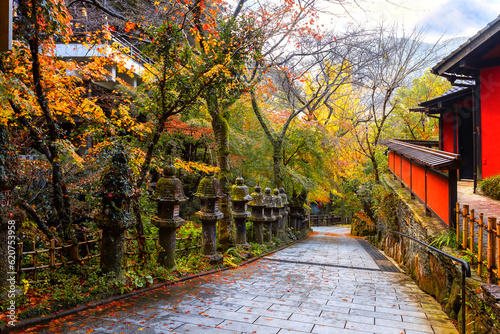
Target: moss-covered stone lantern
[268,212]
[168,195]
[115,216]
[284,210]
[209,192]
[240,199]
[257,217]
[277,213]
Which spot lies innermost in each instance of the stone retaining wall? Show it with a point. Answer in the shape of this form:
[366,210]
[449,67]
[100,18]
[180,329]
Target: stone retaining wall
[435,274]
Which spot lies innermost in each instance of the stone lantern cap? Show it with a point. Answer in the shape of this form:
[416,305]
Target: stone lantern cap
[257,197]
[169,188]
[284,198]
[240,191]
[209,188]
[268,198]
[277,199]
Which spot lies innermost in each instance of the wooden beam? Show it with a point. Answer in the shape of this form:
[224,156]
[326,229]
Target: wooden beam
[5,25]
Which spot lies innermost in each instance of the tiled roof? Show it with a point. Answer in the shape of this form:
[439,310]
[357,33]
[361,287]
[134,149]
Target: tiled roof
[427,156]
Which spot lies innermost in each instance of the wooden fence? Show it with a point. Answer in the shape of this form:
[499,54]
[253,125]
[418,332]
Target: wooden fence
[33,259]
[324,220]
[480,238]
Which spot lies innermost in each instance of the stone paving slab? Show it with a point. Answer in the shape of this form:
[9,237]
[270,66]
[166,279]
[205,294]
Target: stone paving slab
[327,283]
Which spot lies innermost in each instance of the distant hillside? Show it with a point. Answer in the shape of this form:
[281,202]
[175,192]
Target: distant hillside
[450,45]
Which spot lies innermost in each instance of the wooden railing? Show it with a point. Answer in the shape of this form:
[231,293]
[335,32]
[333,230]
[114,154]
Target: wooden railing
[34,259]
[480,238]
[324,220]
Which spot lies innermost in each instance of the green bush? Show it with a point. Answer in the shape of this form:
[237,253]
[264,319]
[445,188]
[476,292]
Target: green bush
[491,187]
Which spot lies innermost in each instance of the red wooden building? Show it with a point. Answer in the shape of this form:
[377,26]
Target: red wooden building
[469,114]
[469,123]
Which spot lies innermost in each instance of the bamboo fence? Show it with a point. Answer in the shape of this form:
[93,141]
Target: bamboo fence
[471,235]
[34,261]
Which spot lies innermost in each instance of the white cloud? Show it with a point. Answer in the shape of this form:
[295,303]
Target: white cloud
[450,18]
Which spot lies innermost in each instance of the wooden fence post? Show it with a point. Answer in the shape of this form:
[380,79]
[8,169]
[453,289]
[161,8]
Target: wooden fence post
[491,248]
[52,253]
[18,261]
[33,260]
[498,246]
[480,246]
[471,233]
[457,210]
[465,226]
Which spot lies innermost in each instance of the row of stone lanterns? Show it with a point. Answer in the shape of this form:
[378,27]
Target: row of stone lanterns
[269,214]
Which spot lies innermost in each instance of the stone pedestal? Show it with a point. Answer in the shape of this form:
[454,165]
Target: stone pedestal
[257,218]
[240,198]
[209,241]
[209,192]
[167,232]
[168,194]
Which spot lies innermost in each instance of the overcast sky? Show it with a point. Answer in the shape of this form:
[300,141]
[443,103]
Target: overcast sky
[452,18]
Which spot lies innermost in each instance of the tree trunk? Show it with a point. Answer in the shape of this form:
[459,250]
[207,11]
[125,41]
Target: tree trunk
[375,168]
[278,176]
[221,132]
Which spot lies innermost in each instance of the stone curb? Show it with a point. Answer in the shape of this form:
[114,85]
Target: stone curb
[44,319]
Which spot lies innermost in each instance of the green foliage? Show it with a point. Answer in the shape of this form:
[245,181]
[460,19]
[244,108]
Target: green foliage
[190,229]
[233,257]
[257,249]
[369,194]
[446,238]
[193,263]
[405,124]
[68,288]
[387,209]
[491,187]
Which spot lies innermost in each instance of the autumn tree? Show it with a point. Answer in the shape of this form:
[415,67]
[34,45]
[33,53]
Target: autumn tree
[407,124]
[393,60]
[241,45]
[307,82]
[38,98]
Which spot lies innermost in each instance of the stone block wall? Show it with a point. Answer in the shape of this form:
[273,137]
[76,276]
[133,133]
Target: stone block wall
[434,273]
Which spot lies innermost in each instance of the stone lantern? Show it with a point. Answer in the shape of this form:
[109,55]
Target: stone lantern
[168,195]
[240,198]
[278,206]
[209,192]
[268,212]
[295,216]
[284,210]
[258,218]
[115,217]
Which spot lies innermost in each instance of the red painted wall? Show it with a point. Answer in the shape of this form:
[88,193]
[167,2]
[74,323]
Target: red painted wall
[437,195]
[406,172]
[397,165]
[437,184]
[490,121]
[447,135]
[418,181]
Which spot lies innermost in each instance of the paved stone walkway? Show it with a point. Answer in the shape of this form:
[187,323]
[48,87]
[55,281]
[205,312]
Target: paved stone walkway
[327,283]
[480,203]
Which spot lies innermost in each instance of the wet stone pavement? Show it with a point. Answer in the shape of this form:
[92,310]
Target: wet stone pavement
[327,283]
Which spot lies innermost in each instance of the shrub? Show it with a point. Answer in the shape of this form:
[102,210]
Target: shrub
[491,187]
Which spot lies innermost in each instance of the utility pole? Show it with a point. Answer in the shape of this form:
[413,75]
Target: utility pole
[5,25]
